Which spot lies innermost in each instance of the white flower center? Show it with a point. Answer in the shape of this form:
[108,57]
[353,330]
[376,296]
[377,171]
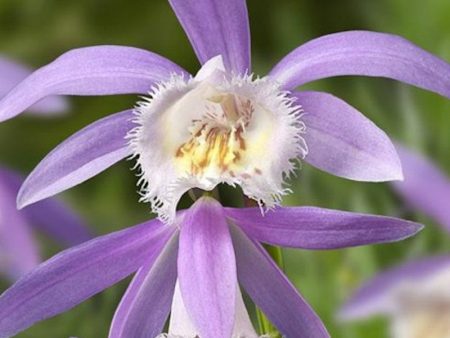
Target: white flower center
[216,128]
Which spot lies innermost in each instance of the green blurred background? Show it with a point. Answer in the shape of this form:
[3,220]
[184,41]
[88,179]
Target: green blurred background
[37,31]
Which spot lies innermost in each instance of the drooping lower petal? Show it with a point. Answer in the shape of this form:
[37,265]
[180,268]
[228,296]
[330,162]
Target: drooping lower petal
[378,295]
[318,228]
[425,187]
[99,70]
[83,155]
[145,306]
[78,273]
[207,269]
[272,292]
[344,142]
[11,73]
[363,53]
[216,27]
[18,252]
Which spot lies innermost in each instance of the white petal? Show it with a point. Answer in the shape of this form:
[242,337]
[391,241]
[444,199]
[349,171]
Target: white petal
[180,324]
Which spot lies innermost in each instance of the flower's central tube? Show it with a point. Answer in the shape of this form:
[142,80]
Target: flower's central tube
[216,128]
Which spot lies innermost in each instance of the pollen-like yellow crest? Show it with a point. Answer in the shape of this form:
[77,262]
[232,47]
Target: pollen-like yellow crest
[217,140]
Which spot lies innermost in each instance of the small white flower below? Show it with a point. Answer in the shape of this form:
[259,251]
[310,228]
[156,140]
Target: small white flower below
[216,128]
[181,326]
[423,308]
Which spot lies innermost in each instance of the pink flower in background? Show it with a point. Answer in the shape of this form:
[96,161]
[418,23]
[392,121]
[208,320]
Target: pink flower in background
[19,252]
[415,295]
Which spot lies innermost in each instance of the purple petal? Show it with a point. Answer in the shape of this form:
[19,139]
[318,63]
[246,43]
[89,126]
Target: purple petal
[344,142]
[145,306]
[272,292]
[317,228]
[78,273]
[367,54]
[18,251]
[100,70]
[12,73]
[217,27]
[207,269]
[425,187]
[50,216]
[80,157]
[376,296]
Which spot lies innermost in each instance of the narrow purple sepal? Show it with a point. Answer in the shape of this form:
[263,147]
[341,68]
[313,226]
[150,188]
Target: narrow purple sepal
[272,292]
[376,296]
[318,228]
[81,156]
[76,274]
[207,269]
[425,188]
[216,27]
[367,54]
[145,306]
[99,70]
[345,143]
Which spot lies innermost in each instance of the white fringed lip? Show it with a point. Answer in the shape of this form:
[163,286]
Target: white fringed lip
[216,128]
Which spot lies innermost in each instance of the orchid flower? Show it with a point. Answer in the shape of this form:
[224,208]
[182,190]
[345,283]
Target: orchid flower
[19,253]
[415,295]
[12,73]
[224,125]
[195,266]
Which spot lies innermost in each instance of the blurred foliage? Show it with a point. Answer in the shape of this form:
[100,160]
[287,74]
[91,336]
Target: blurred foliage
[37,31]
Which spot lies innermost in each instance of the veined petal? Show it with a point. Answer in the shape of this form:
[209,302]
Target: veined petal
[272,292]
[83,155]
[425,187]
[345,143]
[18,251]
[367,54]
[317,228]
[378,295]
[145,306]
[50,216]
[217,27]
[207,269]
[100,70]
[12,73]
[76,274]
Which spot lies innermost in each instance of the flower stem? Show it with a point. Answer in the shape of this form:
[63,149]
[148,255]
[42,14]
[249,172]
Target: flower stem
[265,326]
